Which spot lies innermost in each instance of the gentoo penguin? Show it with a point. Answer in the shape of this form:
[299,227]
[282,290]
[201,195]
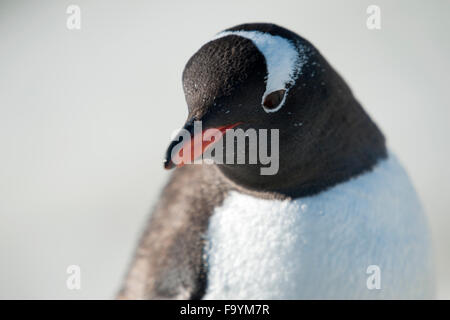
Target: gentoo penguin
[339,218]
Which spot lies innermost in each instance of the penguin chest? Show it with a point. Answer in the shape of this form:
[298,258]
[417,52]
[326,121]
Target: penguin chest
[324,246]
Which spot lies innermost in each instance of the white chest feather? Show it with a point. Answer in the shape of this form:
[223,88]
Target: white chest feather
[321,246]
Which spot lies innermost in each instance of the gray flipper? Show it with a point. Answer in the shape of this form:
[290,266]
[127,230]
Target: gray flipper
[169,261]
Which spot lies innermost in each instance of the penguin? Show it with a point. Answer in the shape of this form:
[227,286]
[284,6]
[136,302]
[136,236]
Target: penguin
[339,219]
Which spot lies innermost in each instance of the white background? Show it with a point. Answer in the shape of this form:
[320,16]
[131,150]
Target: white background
[85,117]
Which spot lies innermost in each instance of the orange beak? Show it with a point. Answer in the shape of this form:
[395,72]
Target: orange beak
[197,145]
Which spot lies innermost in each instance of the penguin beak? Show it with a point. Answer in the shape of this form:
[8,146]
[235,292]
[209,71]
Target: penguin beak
[198,143]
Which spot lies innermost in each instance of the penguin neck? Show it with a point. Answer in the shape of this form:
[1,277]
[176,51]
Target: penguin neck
[343,145]
[350,149]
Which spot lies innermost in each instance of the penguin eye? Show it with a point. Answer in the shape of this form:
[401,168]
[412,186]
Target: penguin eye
[273,99]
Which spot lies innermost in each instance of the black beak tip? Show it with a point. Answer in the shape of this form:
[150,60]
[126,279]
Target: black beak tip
[168,164]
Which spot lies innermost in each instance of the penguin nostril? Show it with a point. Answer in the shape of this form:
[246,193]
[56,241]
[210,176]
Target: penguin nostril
[273,99]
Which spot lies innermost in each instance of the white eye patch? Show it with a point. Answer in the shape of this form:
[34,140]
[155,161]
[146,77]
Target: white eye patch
[283,60]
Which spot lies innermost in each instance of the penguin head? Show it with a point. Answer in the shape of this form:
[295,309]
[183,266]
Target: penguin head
[264,77]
